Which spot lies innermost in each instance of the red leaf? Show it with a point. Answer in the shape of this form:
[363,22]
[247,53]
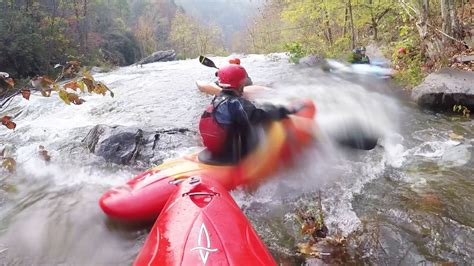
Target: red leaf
[72,85]
[11,125]
[5,120]
[26,93]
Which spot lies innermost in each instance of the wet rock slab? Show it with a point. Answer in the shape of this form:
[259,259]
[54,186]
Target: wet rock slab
[441,90]
[127,145]
[159,56]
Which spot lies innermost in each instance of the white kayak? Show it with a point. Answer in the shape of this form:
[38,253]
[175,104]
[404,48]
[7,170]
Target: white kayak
[361,69]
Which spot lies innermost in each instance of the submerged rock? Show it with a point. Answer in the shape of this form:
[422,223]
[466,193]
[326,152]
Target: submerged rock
[124,145]
[159,56]
[441,90]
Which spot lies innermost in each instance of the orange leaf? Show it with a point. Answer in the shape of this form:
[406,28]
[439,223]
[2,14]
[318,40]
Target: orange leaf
[11,125]
[6,121]
[72,85]
[74,98]
[47,81]
[100,88]
[26,93]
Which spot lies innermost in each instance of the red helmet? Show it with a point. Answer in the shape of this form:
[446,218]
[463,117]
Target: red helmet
[232,76]
[235,61]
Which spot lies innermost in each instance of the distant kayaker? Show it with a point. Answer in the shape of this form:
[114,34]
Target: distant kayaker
[358,56]
[228,126]
[236,61]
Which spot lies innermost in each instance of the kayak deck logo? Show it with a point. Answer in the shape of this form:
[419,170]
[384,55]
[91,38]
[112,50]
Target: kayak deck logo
[204,250]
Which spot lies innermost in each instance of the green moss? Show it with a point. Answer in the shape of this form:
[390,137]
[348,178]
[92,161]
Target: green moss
[295,51]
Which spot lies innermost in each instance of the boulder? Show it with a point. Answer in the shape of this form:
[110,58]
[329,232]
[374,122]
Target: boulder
[312,61]
[124,145]
[441,90]
[160,56]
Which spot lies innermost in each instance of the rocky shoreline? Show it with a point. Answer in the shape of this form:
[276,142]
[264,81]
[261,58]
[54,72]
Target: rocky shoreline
[443,89]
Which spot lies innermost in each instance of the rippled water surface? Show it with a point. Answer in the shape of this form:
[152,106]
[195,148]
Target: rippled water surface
[408,201]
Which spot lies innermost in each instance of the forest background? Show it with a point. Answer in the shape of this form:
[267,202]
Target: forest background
[37,34]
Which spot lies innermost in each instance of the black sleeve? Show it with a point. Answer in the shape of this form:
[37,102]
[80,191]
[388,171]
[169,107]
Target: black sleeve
[246,113]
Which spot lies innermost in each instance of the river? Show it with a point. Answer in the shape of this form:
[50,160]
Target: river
[409,201]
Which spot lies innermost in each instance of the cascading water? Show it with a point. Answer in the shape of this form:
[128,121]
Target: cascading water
[49,212]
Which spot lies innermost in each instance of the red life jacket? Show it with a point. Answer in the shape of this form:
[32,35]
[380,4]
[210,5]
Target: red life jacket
[213,135]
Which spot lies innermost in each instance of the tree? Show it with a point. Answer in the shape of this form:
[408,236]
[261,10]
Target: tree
[436,40]
[182,35]
[145,34]
[191,38]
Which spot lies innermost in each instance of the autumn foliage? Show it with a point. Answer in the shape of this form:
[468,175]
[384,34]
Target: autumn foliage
[69,92]
[79,82]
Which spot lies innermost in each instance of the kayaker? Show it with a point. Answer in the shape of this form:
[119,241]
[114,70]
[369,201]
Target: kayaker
[358,56]
[228,126]
[236,61]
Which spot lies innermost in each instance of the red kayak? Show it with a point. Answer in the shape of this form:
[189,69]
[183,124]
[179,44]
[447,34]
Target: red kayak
[202,225]
[143,197]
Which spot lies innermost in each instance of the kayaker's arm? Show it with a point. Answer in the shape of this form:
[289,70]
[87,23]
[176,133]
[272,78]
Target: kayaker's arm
[245,113]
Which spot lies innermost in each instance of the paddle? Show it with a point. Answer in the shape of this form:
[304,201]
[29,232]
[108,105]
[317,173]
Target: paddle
[207,62]
[359,141]
[358,138]
[354,135]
